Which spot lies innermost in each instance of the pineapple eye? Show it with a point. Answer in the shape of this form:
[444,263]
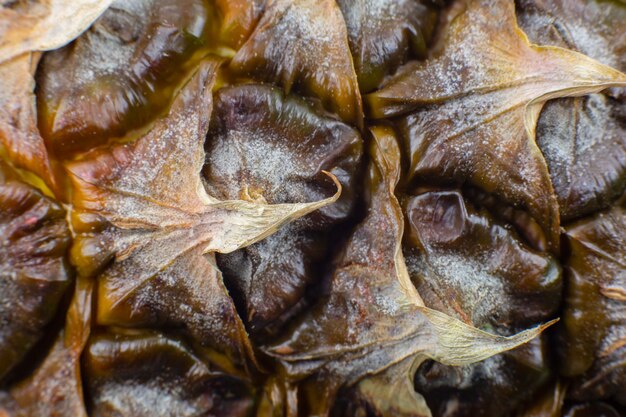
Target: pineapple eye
[119,74]
[312,208]
[121,369]
[381,34]
[459,257]
[583,138]
[33,268]
[303,45]
[469,265]
[266,146]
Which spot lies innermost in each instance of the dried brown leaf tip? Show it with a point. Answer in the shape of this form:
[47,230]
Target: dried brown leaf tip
[151,243]
[303,44]
[372,329]
[264,145]
[467,264]
[469,114]
[582,139]
[198,218]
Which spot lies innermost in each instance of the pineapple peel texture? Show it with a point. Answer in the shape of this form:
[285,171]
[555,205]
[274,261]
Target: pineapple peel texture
[469,113]
[156,238]
[146,231]
[385,331]
[25,29]
[112,183]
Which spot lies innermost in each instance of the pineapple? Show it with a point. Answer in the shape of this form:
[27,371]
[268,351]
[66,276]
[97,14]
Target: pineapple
[282,208]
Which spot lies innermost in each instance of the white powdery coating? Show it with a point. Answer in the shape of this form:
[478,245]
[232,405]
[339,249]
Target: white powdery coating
[148,398]
[571,138]
[302,22]
[303,40]
[482,291]
[470,64]
[494,368]
[583,143]
[371,14]
[592,43]
[267,157]
[153,187]
[156,163]
[585,148]
[107,56]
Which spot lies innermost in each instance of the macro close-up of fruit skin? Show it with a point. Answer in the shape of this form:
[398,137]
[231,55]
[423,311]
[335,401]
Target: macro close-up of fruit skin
[316,208]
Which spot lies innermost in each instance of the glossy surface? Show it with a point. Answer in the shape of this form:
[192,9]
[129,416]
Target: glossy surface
[120,370]
[54,388]
[303,45]
[151,245]
[371,329]
[128,64]
[19,137]
[268,147]
[594,334]
[583,139]
[469,114]
[496,387]
[241,239]
[238,19]
[465,263]
[34,271]
[382,33]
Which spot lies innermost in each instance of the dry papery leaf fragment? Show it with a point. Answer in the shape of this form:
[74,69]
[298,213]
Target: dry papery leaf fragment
[467,264]
[469,114]
[372,329]
[268,146]
[151,243]
[42,25]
